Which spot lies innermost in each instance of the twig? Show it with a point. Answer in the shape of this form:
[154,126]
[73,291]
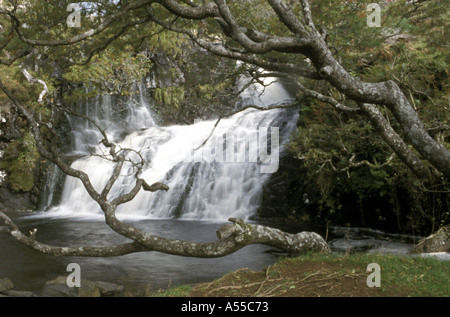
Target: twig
[263,282]
[33,80]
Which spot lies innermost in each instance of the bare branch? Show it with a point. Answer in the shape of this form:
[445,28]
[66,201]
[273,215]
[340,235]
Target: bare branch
[207,10]
[220,50]
[154,187]
[352,164]
[396,143]
[33,80]
[267,43]
[288,18]
[307,14]
[87,251]
[242,236]
[19,55]
[327,99]
[113,178]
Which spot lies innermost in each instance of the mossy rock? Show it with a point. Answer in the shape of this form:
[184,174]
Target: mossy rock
[21,179]
[437,242]
[19,160]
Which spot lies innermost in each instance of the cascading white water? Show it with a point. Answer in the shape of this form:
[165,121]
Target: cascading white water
[204,183]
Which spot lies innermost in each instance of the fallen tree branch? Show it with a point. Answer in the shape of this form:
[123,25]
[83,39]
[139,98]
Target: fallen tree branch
[243,234]
[87,251]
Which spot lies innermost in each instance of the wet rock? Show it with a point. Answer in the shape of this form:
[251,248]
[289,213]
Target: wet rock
[14,293]
[5,285]
[437,242]
[110,289]
[7,290]
[58,288]
[18,201]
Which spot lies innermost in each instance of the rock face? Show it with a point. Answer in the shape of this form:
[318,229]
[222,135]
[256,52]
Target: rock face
[58,288]
[437,242]
[15,201]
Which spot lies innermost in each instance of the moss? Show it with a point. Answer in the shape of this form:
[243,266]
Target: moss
[20,159]
[21,178]
[171,96]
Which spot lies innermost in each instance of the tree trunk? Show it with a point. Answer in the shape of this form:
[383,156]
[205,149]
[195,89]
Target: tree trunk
[384,93]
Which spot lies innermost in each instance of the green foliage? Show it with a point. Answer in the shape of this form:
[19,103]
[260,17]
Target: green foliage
[349,174]
[171,96]
[112,72]
[175,291]
[19,160]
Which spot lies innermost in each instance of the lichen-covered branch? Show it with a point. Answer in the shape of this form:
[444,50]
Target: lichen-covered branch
[33,80]
[232,237]
[87,251]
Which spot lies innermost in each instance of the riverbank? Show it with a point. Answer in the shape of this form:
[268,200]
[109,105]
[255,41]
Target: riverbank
[313,275]
[330,275]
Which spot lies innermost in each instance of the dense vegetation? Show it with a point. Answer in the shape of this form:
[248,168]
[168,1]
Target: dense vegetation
[378,191]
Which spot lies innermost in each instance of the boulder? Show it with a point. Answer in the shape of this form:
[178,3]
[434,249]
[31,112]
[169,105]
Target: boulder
[110,289]
[437,242]
[13,293]
[5,285]
[58,288]
[7,290]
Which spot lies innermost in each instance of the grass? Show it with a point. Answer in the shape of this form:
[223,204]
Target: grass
[421,276]
[329,275]
[177,291]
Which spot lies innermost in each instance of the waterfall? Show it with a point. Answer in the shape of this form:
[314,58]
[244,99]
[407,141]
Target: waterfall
[221,179]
